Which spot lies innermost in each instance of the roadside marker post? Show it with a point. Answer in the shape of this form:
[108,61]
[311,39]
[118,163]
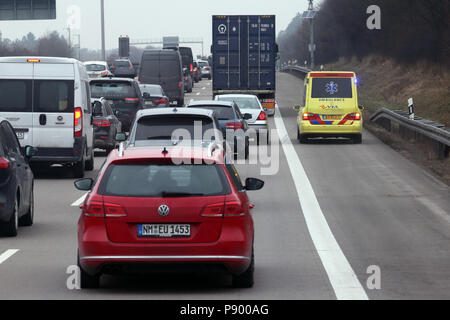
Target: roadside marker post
[411,108]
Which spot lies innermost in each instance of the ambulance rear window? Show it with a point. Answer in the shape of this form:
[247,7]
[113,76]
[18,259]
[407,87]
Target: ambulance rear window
[331,88]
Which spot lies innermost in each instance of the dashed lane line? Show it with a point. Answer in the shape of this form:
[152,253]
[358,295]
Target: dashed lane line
[7,254]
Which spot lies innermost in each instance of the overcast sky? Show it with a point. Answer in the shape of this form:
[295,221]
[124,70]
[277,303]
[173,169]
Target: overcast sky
[147,19]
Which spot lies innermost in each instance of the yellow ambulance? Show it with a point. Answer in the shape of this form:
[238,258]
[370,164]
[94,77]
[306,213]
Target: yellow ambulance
[330,107]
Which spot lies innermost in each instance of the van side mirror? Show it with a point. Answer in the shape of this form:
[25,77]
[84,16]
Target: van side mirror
[84,184]
[121,137]
[30,152]
[362,108]
[253,184]
[297,108]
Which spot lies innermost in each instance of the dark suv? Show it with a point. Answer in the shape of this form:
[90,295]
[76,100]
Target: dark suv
[123,68]
[123,94]
[16,183]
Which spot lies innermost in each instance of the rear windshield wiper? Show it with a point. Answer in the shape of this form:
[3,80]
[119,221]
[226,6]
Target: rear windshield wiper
[180,194]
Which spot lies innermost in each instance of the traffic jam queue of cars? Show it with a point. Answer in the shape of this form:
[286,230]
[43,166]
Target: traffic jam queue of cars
[53,113]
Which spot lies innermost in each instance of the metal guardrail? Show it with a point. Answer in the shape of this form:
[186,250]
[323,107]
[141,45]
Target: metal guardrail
[418,129]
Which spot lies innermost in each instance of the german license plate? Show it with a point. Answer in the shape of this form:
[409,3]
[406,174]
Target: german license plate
[164,230]
[20,135]
[331,117]
[148,103]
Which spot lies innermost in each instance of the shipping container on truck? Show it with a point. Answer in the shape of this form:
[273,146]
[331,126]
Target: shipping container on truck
[124,47]
[244,55]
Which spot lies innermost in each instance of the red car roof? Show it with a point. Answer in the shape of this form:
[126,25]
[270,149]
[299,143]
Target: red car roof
[176,154]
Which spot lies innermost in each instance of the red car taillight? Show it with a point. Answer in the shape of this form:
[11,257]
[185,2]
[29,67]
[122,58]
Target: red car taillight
[4,163]
[131,100]
[310,117]
[230,209]
[93,209]
[351,117]
[98,209]
[262,116]
[234,125]
[162,101]
[78,122]
[180,84]
[114,210]
[102,123]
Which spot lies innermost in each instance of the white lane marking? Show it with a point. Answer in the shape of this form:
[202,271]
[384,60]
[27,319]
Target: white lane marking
[79,201]
[198,93]
[204,88]
[7,254]
[340,273]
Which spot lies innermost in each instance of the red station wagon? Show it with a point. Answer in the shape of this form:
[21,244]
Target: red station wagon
[147,213]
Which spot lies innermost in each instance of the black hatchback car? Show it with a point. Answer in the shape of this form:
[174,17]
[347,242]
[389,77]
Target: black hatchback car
[123,68]
[16,183]
[231,121]
[123,94]
[106,125]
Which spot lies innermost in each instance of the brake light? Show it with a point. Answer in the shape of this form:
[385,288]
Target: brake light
[234,125]
[351,117]
[191,67]
[131,67]
[310,117]
[162,101]
[180,84]
[218,210]
[4,163]
[33,60]
[114,210]
[213,211]
[207,68]
[102,123]
[131,100]
[93,209]
[233,209]
[78,123]
[262,116]
[98,209]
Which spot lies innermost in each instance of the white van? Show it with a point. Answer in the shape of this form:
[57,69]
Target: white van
[47,101]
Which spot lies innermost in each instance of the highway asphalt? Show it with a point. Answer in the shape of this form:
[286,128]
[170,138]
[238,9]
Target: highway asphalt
[375,210]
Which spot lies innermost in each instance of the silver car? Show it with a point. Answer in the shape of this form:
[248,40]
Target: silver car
[97,69]
[251,104]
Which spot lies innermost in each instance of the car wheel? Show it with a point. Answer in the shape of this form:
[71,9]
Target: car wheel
[246,280]
[87,281]
[79,169]
[28,219]
[357,139]
[10,228]
[90,163]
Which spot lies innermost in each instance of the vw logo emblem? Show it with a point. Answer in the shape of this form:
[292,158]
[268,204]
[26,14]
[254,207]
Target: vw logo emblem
[164,210]
[60,118]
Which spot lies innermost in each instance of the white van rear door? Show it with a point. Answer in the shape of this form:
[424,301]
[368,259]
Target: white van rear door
[16,92]
[53,113]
